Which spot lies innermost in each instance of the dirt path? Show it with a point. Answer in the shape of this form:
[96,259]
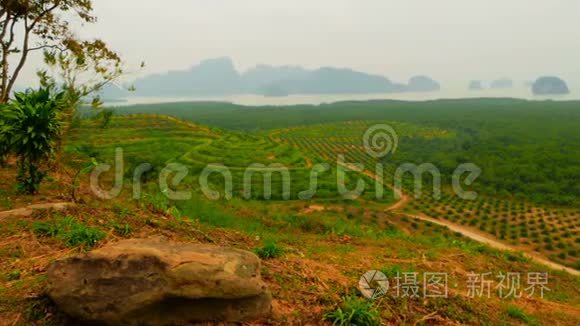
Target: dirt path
[466,231]
[402,202]
[403,198]
[463,230]
[27,211]
[492,242]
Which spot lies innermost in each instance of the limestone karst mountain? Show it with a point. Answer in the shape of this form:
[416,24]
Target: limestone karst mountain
[475,85]
[423,84]
[219,77]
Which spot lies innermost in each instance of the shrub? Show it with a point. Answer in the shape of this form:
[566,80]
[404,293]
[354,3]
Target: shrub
[517,313]
[5,201]
[562,255]
[516,257]
[561,245]
[156,202]
[269,250]
[395,271]
[13,275]
[70,232]
[306,224]
[30,128]
[123,230]
[45,229]
[354,311]
[105,116]
[81,235]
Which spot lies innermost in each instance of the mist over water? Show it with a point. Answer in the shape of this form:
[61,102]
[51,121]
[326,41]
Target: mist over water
[259,100]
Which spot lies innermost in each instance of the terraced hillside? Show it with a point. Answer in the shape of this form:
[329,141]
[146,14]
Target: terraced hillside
[160,140]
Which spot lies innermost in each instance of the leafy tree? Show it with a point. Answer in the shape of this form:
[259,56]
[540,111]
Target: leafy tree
[29,129]
[28,26]
[105,116]
[83,70]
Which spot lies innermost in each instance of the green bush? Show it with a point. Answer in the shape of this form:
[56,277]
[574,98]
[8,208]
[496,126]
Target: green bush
[13,275]
[70,232]
[105,116]
[29,129]
[156,201]
[354,311]
[45,229]
[395,271]
[81,235]
[5,201]
[517,313]
[269,250]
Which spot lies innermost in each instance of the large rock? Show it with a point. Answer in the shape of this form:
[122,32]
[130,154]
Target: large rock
[151,282]
[550,85]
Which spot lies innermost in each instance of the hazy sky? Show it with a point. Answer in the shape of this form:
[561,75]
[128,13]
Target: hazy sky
[451,40]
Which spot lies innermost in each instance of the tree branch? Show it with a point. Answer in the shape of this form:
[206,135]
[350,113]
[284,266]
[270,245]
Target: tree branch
[5,24]
[21,63]
[47,46]
[41,15]
[5,47]
[11,40]
[25,47]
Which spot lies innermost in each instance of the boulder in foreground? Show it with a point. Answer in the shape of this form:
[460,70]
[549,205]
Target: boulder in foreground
[151,282]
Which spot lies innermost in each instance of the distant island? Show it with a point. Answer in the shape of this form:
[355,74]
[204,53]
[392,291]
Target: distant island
[503,83]
[475,85]
[550,85]
[218,77]
[423,84]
